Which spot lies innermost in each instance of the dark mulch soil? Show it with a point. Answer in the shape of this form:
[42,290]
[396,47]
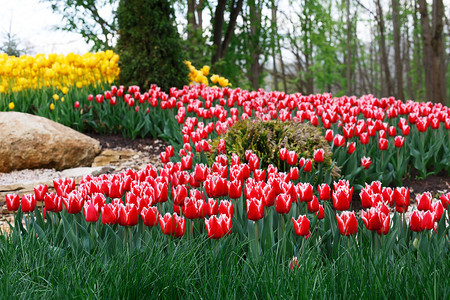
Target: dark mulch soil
[149,145]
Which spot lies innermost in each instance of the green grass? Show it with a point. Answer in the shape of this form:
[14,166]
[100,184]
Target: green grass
[201,269]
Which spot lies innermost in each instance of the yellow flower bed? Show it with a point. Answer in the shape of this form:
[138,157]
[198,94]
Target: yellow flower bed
[58,71]
[199,76]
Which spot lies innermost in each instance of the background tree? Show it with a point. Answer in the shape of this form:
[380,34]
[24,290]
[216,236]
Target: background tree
[149,45]
[95,20]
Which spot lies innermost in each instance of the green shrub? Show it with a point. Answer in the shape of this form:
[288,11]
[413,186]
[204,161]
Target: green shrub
[266,139]
[149,46]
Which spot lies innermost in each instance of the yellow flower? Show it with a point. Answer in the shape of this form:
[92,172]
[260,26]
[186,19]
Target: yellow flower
[65,90]
[205,70]
[223,81]
[62,99]
[11,105]
[2,89]
[214,78]
[79,84]
[52,106]
[55,97]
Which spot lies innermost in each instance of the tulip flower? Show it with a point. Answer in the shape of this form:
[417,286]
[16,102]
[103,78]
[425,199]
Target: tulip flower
[364,138]
[399,141]
[401,199]
[170,151]
[415,222]
[73,203]
[383,144]
[90,211]
[12,202]
[28,203]
[268,195]
[221,147]
[164,157]
[191,210]
[217,227]
[226,208]
[128,215]
[40,191]
[186,162]
[339,140]
[329,135]
[445,198]
[342,198]
[427,220]
[253,162]
[293,173]
[172,225]
[324,192]
[424,201]
[305,191]
[259,175]
[365,162]
[308,166]
[301,225]
[291,158]
[388,195]
[283,203]
[319,155]
[283,153]
[320,212]
[150,216]
[201,172]
[366,197]
[347,223]
[293,264]
[255,209]
[438,210]
[179,193]
[372,219]
[52,202]
[351,147]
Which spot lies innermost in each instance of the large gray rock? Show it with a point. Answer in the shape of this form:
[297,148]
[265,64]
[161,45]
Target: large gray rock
[28,141]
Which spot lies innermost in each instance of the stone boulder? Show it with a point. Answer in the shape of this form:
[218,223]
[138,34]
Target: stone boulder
[28,142]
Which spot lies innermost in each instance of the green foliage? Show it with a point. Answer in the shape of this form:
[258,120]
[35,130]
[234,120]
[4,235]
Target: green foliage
[149,46]
[265,139]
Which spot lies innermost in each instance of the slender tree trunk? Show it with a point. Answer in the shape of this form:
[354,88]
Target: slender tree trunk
[274,37]
[418,83]
[199,8]
[192,23]
[283,69]
[255,25]
[432,40]
[407,59]
[398,61]
[384,54]
[349,53]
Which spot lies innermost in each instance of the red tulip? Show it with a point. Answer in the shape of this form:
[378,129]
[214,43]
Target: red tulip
[150,216]
[128,215]
[424,201]
[73,203]
[399,141]
[161,192]
[90,98]
[364,138]
[40,191]
[365,162]
[405,130]
[283,153]
[28,203]
[268,195]
[351,147]
[90,211]
[186,162]
[401,198]
[386,223]
[329,135]
[313,206]
[308,166]
[324,192]
[342,198]
[445,198]
[52,202]
[301,225]
[12,202]
[339,140]
[222,147]
[201,172]
[415,222]
[372,219]
[235,189]
[164,157]
[388,195]
[172,225]
[217,227]
[109,215]
[259,175]
[347,223]
[305,191]
[191,210]
[438,210]
[320,212]
[291,158]
[226,208]
[255,209]
[253,162]
[283,203]
[179,193]
[170,151]
[428,220]
[293,173]
[293,264]
[383,144]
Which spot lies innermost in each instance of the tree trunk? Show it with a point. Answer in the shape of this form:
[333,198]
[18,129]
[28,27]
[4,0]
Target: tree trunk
[192,24]
[220,47]
[384,55]
[255,25]
[398,60]
[432,40]
[274,38]
[418,83]
[349,53]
